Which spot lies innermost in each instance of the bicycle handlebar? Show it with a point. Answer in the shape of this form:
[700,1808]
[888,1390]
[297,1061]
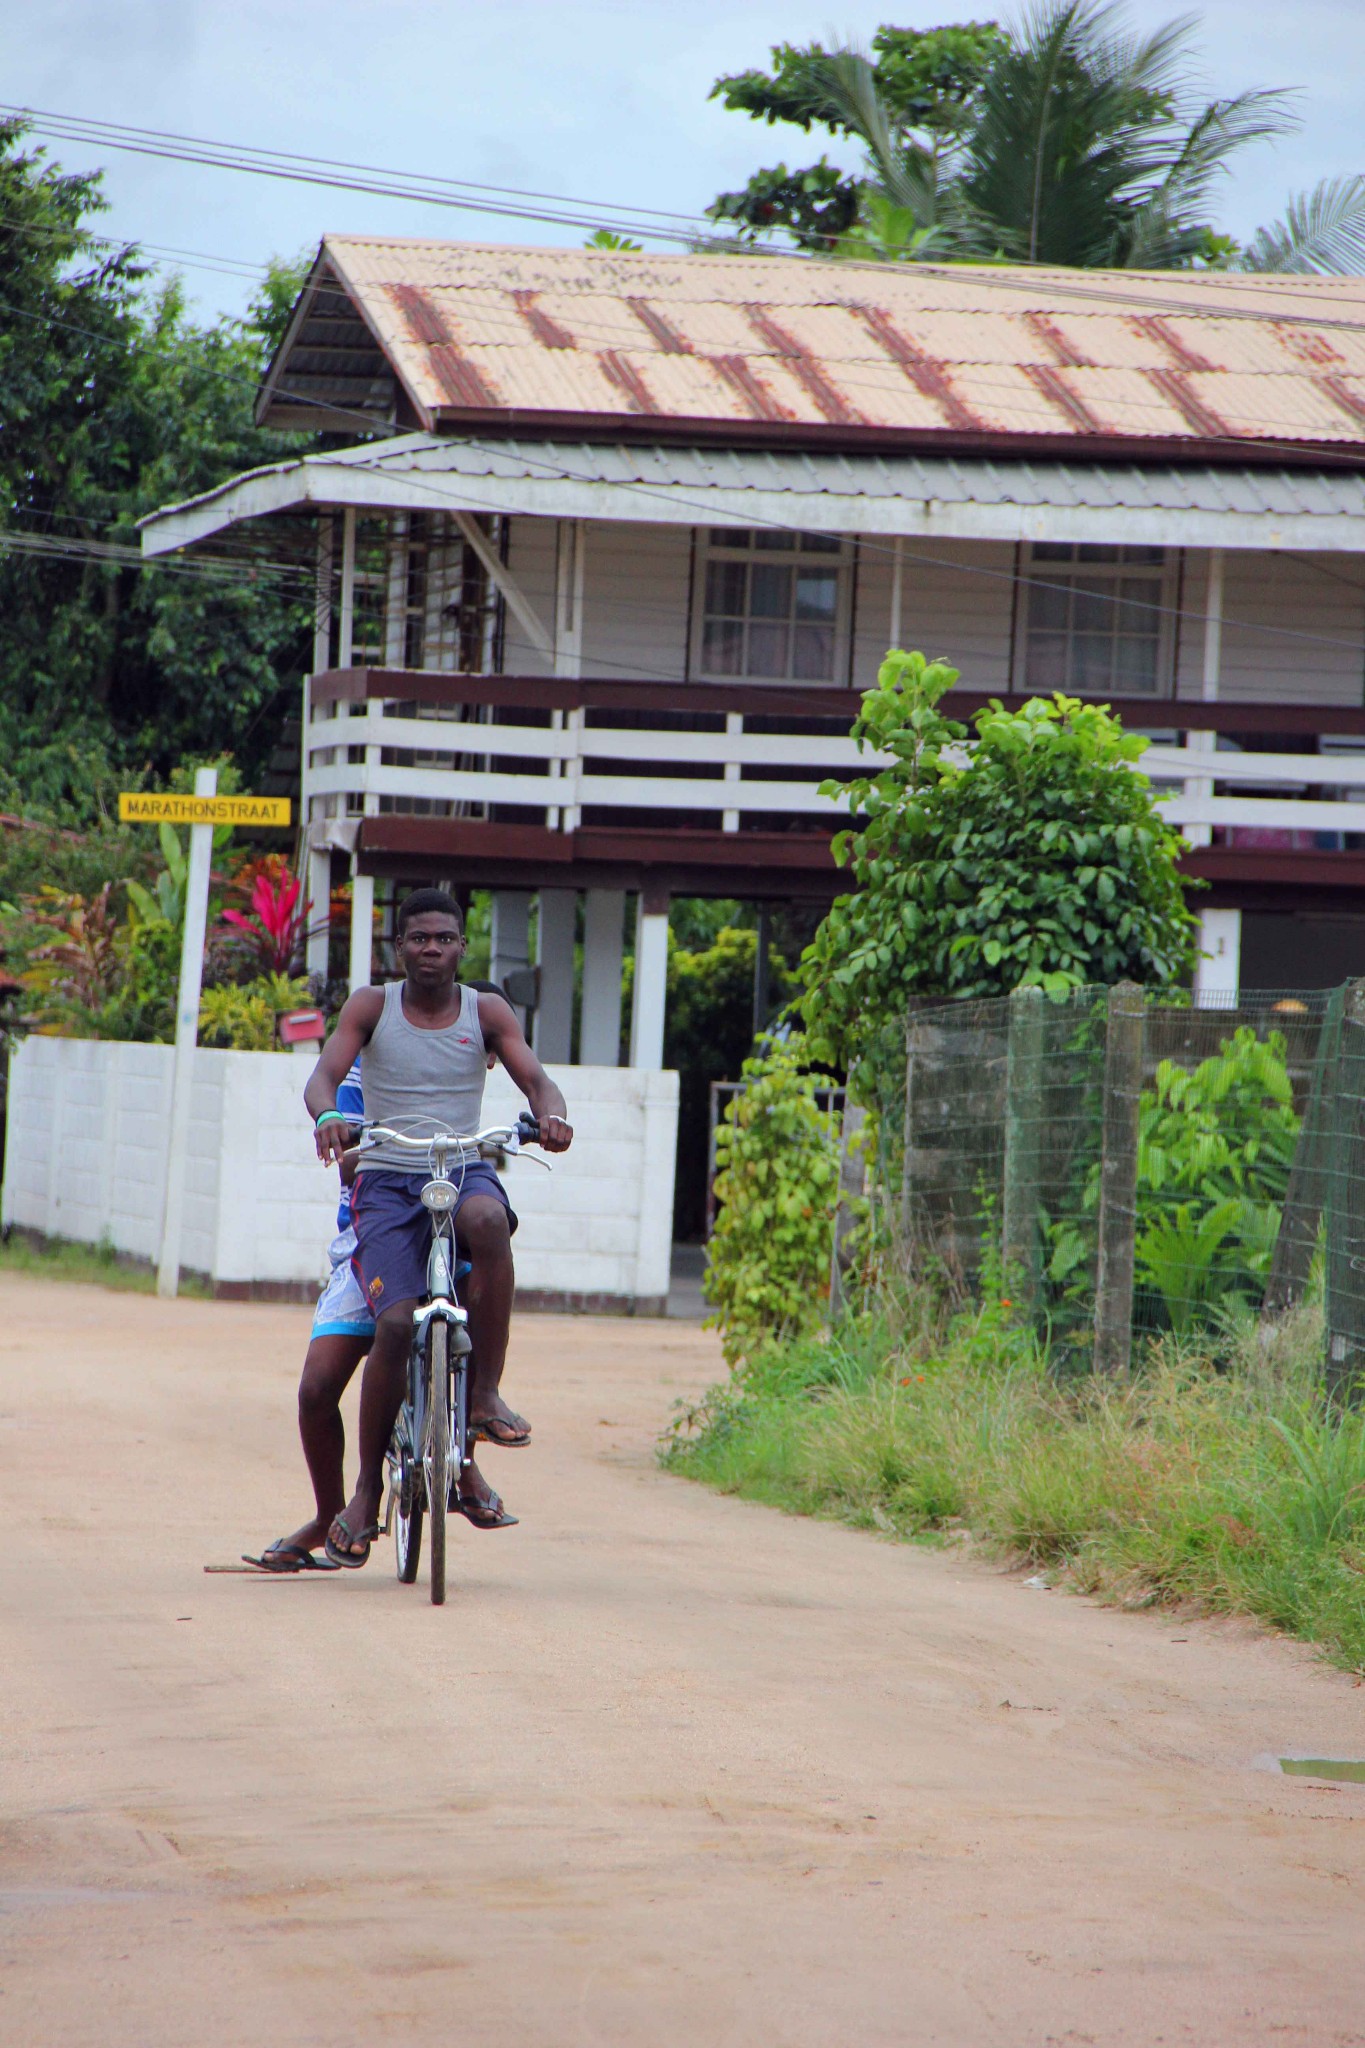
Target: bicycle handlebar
[507,1137]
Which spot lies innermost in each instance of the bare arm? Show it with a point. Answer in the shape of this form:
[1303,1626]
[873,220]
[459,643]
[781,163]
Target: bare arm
[503,1035]
[360,1013]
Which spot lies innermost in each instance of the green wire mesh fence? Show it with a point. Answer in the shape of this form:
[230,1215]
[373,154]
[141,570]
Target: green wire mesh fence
[1114,1166]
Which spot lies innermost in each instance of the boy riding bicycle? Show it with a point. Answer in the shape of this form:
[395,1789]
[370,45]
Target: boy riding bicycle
[423,1045]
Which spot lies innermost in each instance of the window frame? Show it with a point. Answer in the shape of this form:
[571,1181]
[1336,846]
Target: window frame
[706,549]
[1165,577]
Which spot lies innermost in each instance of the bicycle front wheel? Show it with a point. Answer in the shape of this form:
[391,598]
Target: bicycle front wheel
[438,1454]
[407,1528]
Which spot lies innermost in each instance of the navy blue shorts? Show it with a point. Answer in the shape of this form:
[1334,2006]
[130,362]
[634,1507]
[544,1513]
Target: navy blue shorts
[393,1230]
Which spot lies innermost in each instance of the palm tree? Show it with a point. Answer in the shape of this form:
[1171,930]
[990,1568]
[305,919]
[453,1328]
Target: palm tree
[1322,230]
[911,206]
[1089,148]
[1080,144]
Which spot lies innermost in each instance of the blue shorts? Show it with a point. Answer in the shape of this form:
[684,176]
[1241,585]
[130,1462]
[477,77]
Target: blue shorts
[342,1309]
[393,1230]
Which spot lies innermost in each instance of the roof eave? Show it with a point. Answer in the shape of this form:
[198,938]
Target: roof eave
[376,477]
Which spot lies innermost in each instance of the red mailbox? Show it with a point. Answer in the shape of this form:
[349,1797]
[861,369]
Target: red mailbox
[302,1027]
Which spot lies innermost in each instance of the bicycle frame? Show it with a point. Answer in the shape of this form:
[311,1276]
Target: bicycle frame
[430,1444]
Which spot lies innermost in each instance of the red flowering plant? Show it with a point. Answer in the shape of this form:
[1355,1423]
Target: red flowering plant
[274,922]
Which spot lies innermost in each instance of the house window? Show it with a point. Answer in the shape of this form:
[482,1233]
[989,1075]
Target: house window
[1095,621]
[774,606]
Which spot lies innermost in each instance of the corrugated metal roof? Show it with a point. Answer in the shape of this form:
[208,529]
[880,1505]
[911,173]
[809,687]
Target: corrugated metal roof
[1187,504]
[480,334]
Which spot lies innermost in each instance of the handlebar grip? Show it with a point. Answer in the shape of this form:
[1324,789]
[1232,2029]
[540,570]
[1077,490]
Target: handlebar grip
[528,1129]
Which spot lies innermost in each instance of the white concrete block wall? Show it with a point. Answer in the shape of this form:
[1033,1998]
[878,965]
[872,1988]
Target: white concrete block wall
[84,1159]
[601,1222]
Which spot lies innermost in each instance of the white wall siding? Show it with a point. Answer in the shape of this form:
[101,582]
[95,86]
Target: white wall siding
[1321,597]
[531,556]
[85,1158]
[636,581]
[957,602]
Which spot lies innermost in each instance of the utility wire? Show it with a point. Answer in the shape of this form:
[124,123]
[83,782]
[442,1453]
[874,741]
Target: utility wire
[465,194]
[556,210]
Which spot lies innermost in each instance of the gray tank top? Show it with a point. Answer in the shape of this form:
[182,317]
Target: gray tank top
[418,1080]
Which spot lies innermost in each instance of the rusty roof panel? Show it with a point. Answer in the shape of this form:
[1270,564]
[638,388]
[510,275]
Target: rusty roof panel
[1130,403]
[1277,407]
[992,336]
[980,351]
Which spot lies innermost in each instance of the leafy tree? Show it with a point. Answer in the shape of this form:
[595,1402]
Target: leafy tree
[1322,230]
[768,1271]
[908,104]
[115,402]
[1063,139]
[607,238]
[1036,856]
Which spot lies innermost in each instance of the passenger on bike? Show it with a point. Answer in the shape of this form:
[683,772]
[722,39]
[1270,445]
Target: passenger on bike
[343,1330]
[423,1044]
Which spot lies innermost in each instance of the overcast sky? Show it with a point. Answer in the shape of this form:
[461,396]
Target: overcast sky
[596,99]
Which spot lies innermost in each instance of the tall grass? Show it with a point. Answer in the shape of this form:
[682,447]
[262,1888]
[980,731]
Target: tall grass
[1224,1483]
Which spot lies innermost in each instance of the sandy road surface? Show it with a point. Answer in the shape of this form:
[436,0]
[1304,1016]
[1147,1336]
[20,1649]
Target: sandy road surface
[668,1769]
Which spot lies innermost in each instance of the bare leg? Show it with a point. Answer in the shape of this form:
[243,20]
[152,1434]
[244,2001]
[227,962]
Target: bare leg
[484,1231]
[327,1372]
[381,1397]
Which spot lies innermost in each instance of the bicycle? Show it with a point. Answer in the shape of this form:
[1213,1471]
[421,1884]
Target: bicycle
[429,1448]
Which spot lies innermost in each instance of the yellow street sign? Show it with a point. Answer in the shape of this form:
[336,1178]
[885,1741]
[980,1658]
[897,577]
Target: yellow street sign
[138,807]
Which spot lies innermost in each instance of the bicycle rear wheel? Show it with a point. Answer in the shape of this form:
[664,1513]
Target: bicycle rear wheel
[438,1453]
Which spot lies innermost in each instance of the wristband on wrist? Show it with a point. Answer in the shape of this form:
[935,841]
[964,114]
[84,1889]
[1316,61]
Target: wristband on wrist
[329,1116]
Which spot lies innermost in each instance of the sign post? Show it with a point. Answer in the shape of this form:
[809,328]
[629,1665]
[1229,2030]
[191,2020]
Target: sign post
[186,1038]
[201,812]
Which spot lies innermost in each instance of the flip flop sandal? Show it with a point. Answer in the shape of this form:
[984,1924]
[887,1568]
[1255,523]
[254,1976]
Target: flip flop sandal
[482,1432]
[486,1514]
[349,1560]
[284,1557]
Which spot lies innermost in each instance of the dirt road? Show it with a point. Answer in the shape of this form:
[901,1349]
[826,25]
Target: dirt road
[668,1769]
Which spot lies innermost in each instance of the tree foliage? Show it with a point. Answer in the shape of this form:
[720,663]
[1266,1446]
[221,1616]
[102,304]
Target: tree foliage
[708,1035]
[1063,139]
[907,103]
[1036,855]
[1091,149]
[768,1269]
[115,402]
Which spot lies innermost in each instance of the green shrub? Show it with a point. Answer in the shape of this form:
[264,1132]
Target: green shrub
[243,1017]
[768,1271]
[1215,1148]
[1035,855]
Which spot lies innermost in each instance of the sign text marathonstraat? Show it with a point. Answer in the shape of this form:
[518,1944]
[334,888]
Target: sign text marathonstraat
[135,807]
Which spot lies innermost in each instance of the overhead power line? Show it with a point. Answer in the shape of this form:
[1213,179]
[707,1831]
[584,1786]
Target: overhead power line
[419,186]
[654,224]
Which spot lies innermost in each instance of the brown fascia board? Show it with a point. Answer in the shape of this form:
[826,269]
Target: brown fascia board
[798,700]
[410,414]
[874,440]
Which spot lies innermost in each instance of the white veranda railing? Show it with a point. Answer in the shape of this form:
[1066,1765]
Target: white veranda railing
[570,765]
